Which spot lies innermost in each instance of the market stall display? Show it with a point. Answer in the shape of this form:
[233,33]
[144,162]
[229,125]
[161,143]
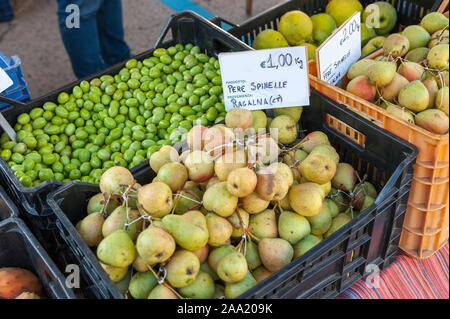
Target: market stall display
[377,227]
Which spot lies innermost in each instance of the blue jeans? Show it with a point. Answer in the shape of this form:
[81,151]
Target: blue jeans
[99,40]
[6,11]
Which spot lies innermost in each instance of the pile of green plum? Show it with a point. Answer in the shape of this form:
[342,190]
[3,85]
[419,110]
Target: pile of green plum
[117,119]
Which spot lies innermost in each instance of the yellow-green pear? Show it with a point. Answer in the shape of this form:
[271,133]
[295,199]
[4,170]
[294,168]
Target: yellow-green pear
[189,230]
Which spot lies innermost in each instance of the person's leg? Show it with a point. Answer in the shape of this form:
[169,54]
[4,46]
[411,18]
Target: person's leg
[82,44]
[6,11]
[110,28]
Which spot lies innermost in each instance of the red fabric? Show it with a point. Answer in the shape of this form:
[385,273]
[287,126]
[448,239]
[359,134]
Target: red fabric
[408,278]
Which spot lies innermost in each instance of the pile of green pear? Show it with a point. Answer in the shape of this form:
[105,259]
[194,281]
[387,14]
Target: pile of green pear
[228,212]
[410,78]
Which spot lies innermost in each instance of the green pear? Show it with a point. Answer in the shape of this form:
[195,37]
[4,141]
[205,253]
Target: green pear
[318,167]
[123,284]
[433,89]
[167,154]
[116,274]
[286,128]
[189,230]
[96,202]
[294,157]
[174,175]
[381,73]
[219,292]
[359,68]
[305,245]
[414,96]
[411,70]
[367,33]
[333,209]
[417,36]
[402,113]
[201,288]
[155,245]
[234,290]
[439,37]
[360,192]
[345,177]
[155,199]
[321,222]
[306,199]
[438,57]
[392,89]
[261,273]
[433,120]
[264,224]
[118,220]
[90,229]
[294,112]
[434,21]
[275,253]
[219,229]
[219,200]
[162,292]
[117,249]
[441,101]
[232,267]
[339,199]
[140,264]
[367,202]
[194,195]
[252,255]
[238,228]
[417,55]
[207,269]
[217,254]
[338,222]
[259,120]
[396,45]
[293,227]
[253,204]
[372,45]
[142,284]
[182,268]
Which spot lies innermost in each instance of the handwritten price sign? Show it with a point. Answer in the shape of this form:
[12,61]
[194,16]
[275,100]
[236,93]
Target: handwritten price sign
[340,50]
[265,79]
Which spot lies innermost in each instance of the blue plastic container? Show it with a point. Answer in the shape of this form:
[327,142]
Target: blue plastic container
[19,90]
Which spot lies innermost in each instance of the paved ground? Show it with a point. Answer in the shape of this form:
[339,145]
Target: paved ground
[34,35]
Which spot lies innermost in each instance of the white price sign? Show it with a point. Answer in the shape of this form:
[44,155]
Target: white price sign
[5,80]
[265,79]
[340,50]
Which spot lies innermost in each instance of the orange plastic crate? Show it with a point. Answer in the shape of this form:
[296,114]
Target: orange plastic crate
[426,224]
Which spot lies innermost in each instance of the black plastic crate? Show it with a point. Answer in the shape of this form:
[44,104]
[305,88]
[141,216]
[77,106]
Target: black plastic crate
[334,264]
[408,12]
[7,207]
[19,248]
[184,27]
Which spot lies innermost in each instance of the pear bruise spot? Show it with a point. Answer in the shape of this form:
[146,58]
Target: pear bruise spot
[159,255]
[235,186]
[189,271]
